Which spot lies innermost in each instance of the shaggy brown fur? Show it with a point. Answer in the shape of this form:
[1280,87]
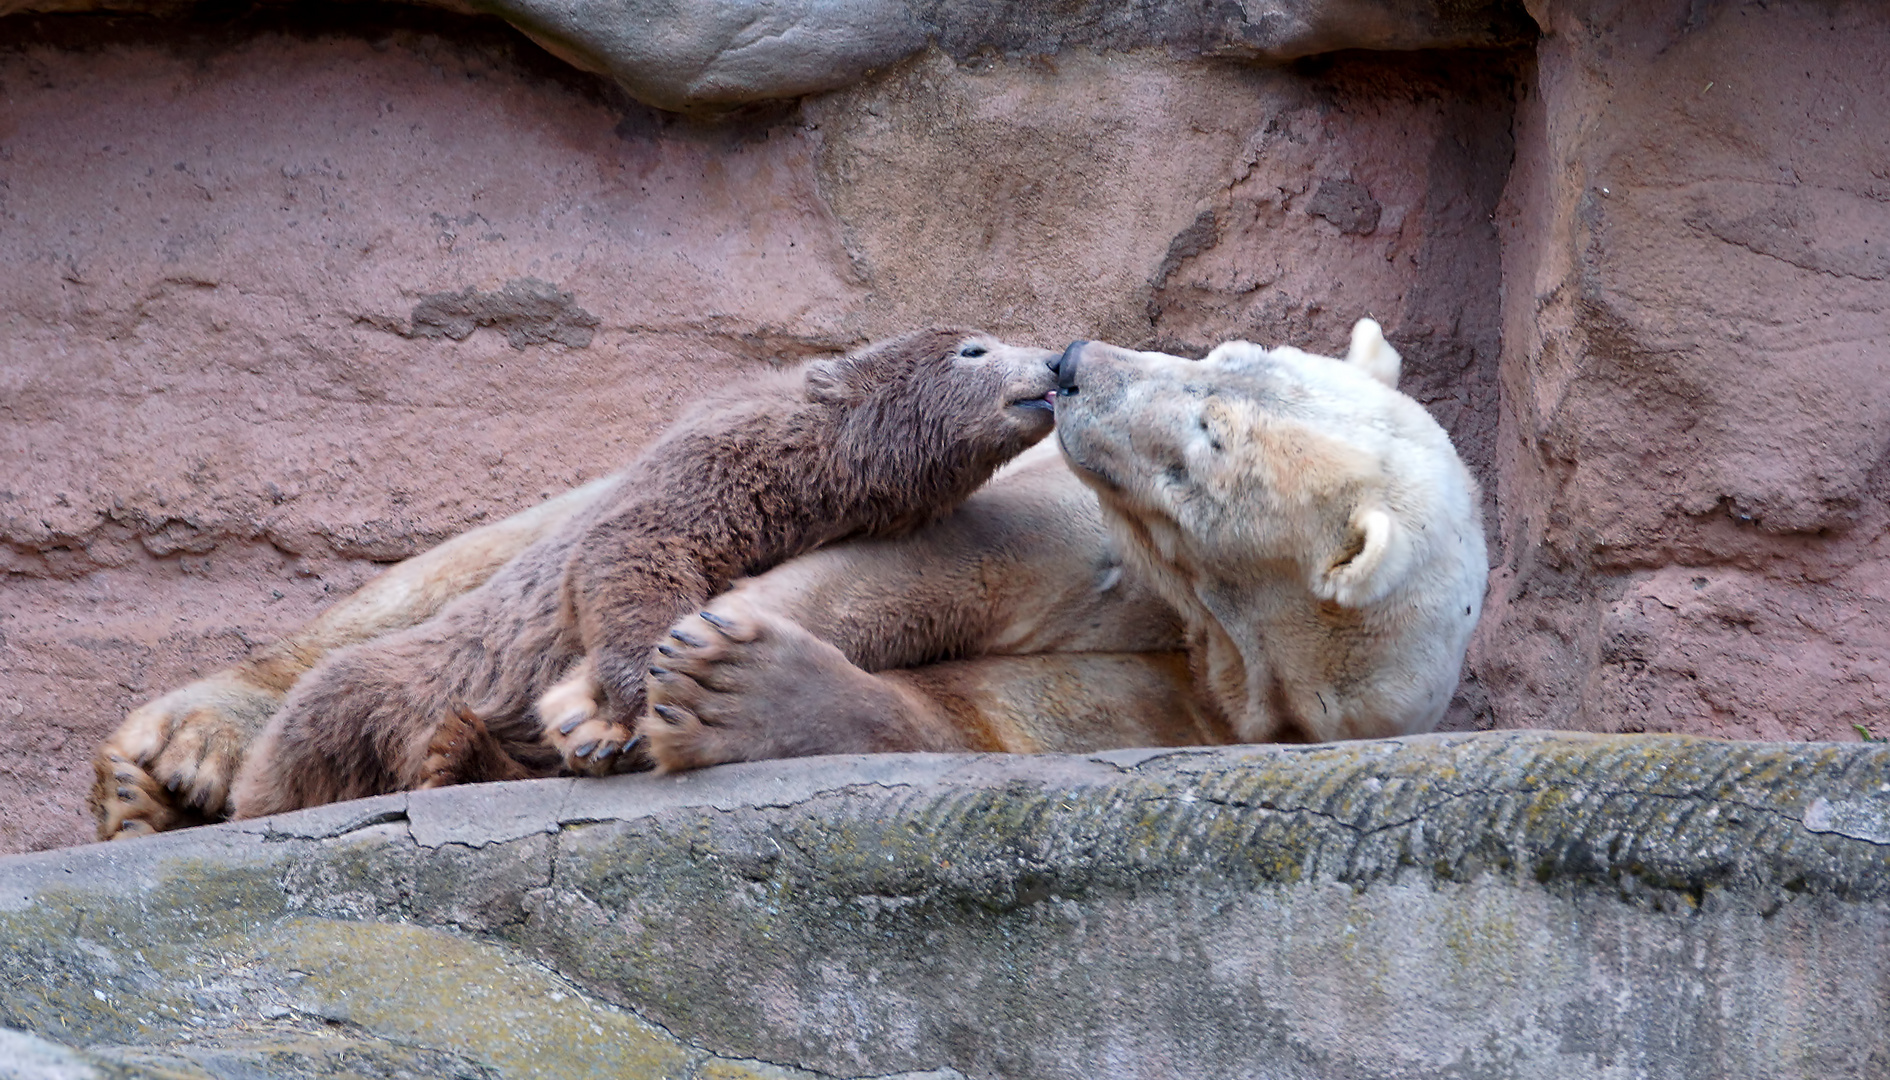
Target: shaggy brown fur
[870,444]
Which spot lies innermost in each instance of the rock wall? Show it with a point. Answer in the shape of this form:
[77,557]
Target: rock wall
[1492,905]
[1691,475]
[291,293]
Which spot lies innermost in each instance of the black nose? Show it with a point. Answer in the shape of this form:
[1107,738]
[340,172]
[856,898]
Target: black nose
[1066,369]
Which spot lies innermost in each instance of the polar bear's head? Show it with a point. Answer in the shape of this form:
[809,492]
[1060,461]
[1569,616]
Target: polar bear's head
[1258,464]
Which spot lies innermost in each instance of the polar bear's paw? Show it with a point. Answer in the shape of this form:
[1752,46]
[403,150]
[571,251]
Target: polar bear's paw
[128,801]
[734,684]
[169,765]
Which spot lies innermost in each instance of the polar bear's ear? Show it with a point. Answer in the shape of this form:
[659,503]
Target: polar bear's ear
[1374,559]
[1234,353]
[1372,354]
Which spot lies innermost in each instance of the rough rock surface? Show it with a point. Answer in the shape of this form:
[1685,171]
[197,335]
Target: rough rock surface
[1693,470]
[1503,904]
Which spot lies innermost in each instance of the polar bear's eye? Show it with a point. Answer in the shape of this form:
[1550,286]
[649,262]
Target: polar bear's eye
[971,351]
[1212,440]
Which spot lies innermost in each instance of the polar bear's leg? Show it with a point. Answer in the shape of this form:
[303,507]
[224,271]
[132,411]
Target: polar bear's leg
[1068,703]
[170,763]
[741,684]
[755,686]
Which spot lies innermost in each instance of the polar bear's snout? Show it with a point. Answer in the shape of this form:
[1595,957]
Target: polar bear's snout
[1066,369]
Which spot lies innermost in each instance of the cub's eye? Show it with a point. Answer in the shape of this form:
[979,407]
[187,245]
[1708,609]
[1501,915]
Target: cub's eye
[972,351]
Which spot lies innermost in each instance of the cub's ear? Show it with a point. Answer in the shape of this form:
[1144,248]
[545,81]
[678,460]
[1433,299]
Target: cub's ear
[1372,354]
[1375,557]
[833,382]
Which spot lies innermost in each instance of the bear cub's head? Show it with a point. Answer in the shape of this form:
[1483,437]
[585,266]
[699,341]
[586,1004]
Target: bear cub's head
[941,404]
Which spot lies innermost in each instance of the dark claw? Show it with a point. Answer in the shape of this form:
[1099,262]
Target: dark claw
[685,639]
[716,621]
[585,750]
[124,776]
[659,672]
[570,725]
[125,794]
[667,651]
[635,741]
[674,716]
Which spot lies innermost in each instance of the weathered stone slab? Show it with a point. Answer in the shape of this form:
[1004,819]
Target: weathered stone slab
[1503,905]
[706,56]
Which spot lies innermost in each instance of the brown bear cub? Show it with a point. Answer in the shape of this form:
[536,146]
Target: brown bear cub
[870,444]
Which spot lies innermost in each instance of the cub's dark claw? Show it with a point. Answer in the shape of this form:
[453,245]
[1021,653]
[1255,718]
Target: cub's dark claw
[685,639]
[585,750]
[716,621]
[674,716]
[659,672]
[570,725]
[669,652]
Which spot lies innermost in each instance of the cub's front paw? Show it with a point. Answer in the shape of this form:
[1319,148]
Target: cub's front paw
[579,724]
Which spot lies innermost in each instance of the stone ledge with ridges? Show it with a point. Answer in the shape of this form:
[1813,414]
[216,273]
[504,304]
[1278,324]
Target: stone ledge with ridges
[1500,904]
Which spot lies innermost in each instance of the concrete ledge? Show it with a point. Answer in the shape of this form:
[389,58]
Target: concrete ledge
[1497,905]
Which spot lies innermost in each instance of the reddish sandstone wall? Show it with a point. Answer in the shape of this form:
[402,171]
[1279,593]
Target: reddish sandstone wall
[1692,467]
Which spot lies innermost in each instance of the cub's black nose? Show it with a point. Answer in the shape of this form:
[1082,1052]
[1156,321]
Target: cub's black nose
[1066,369]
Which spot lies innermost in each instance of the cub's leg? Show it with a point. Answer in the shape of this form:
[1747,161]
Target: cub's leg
[363,723]
[387,715]
[172,761]
[621,597]
[463,751]
[745,685]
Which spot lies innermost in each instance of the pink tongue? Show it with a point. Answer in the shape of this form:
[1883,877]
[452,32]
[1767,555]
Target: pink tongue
[1051,397]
